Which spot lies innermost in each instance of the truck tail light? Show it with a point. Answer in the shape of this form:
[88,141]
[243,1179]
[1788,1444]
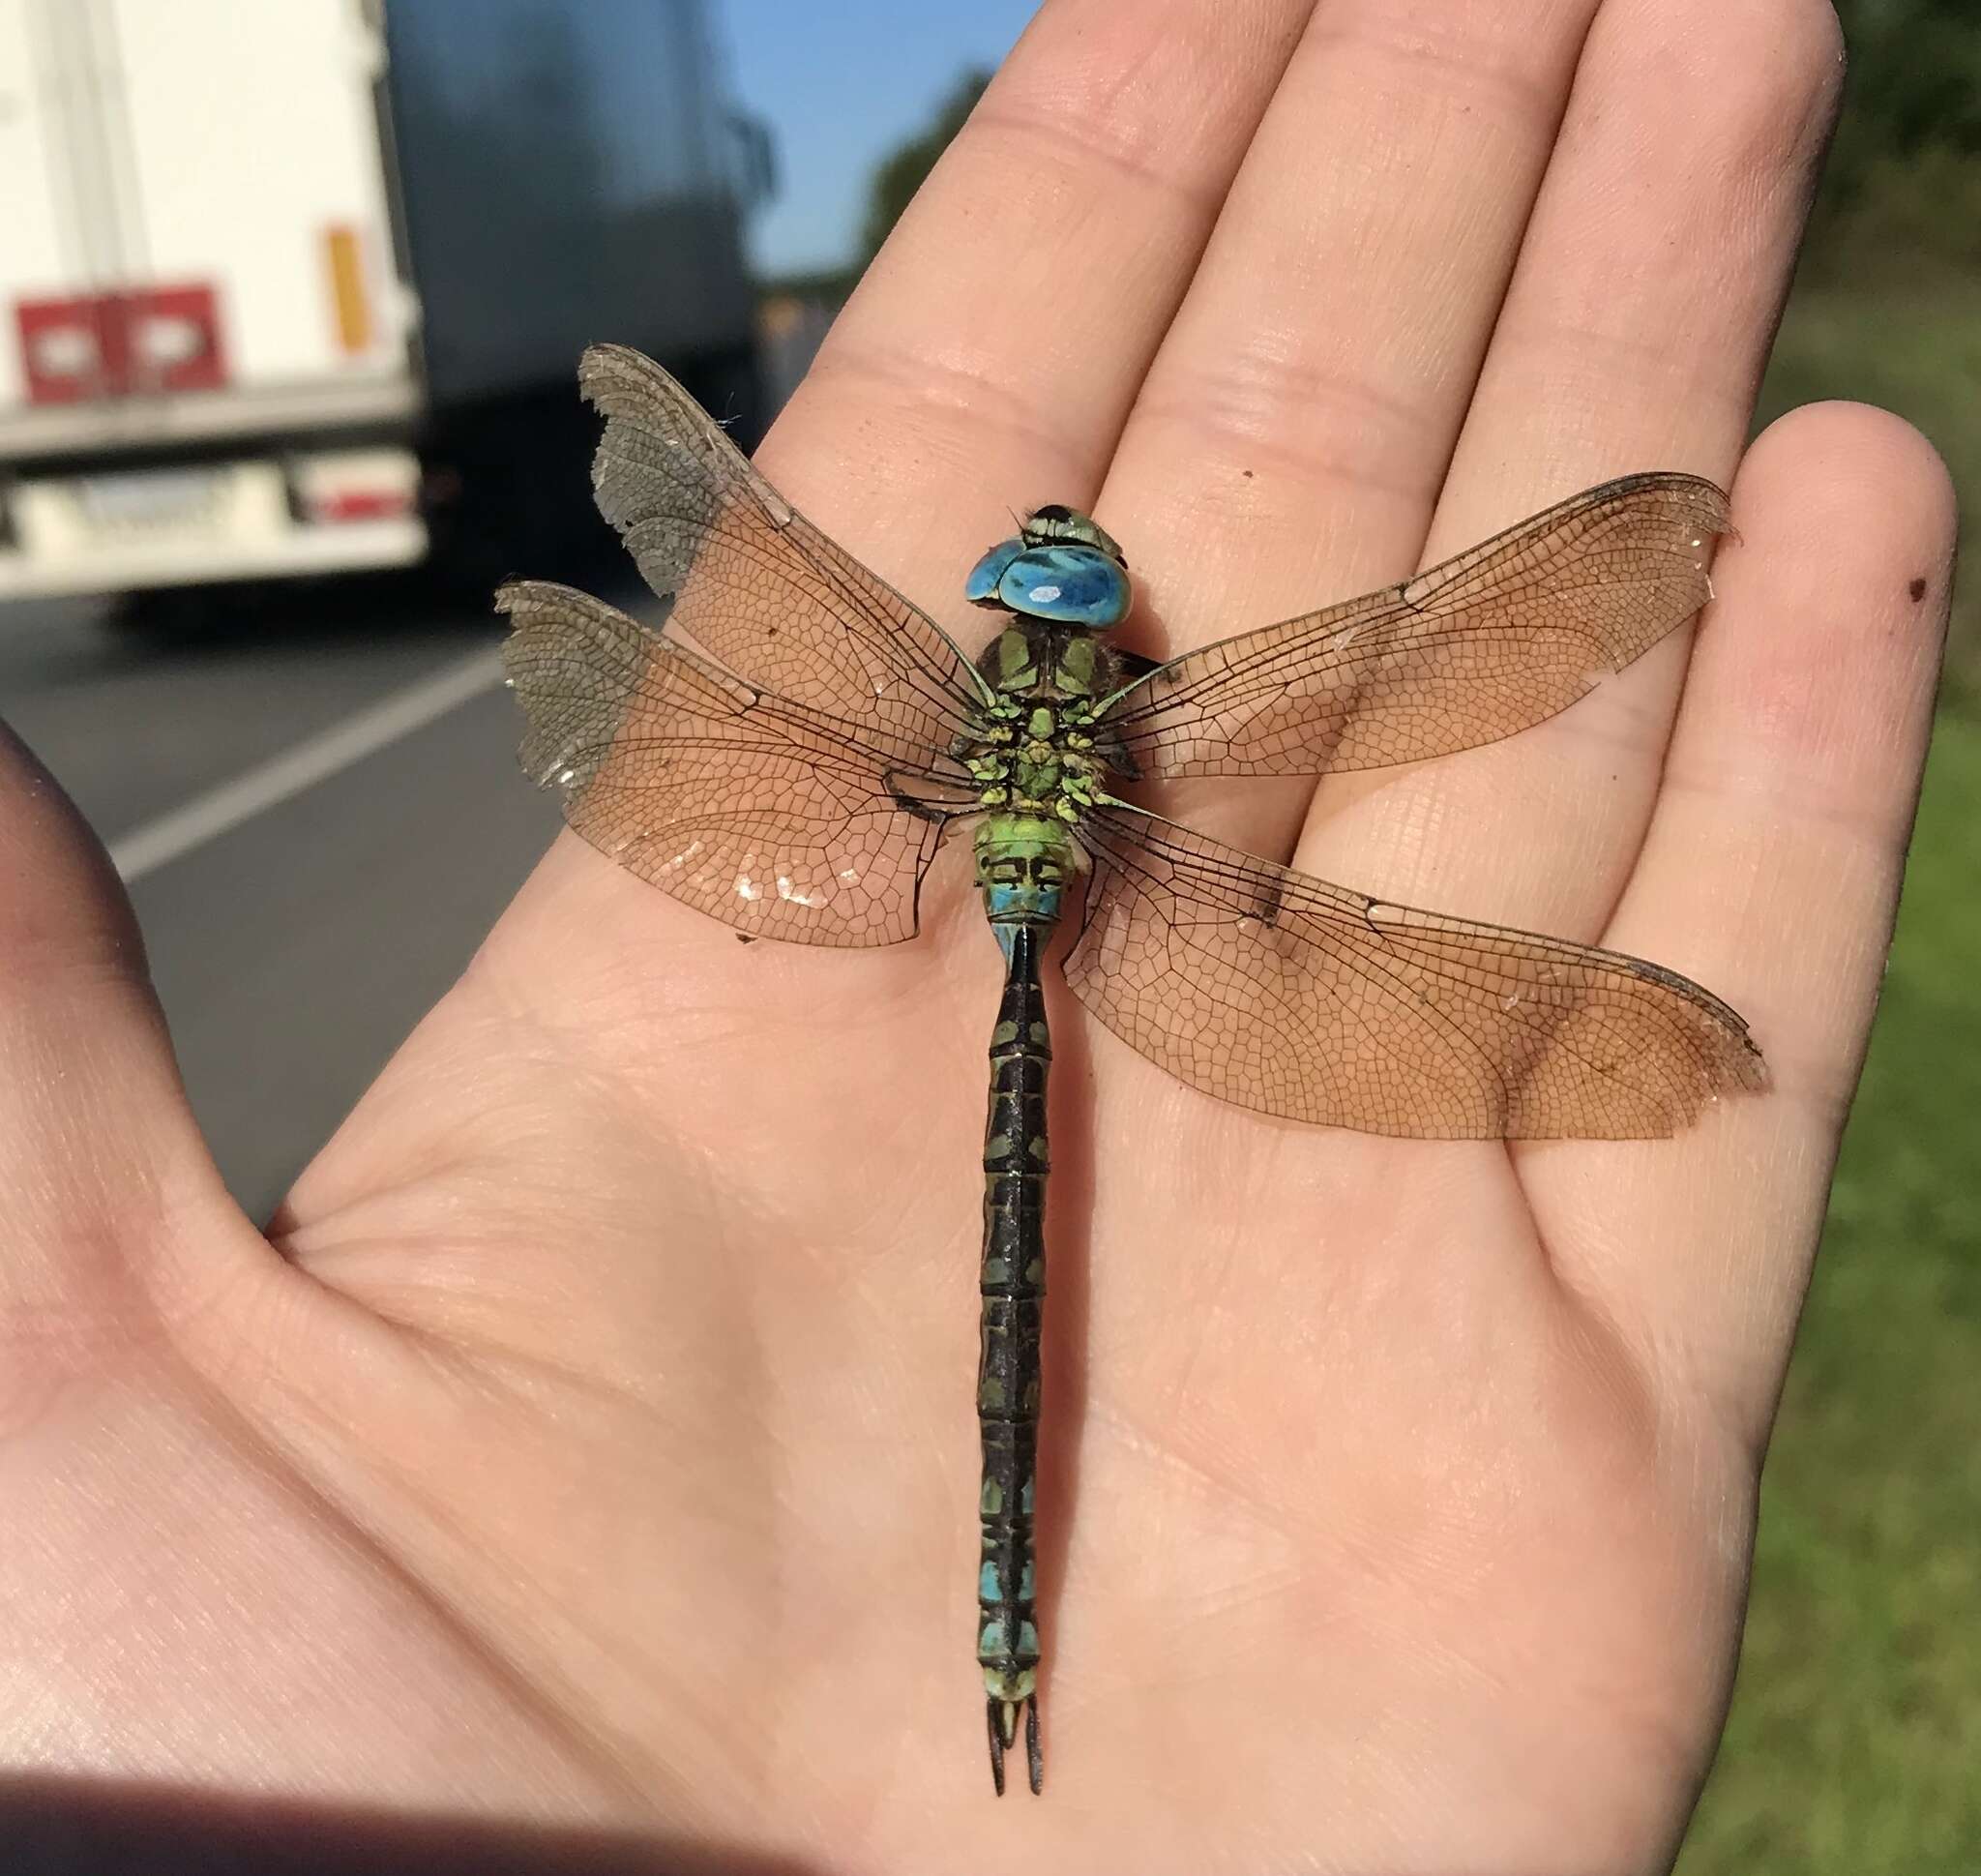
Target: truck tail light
[341,486]
[363,505]
[172,339]
[144,341]
[63,354]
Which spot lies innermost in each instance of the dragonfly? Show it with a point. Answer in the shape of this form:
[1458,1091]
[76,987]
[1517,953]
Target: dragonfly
[788,750]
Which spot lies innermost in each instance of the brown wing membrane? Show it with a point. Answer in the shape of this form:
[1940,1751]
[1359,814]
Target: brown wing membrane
[754,584]
[1492,641]
[774,817]
[1280,993]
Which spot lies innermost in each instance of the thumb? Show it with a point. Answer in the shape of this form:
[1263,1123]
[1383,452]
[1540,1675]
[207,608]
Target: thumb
[101,1165]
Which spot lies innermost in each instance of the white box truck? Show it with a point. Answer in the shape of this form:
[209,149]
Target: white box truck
[291,287]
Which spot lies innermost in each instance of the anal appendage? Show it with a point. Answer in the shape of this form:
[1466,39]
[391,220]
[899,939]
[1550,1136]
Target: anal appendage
[1002,1721]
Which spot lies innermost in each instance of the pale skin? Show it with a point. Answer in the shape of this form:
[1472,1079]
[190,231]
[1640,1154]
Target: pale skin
[590,1444]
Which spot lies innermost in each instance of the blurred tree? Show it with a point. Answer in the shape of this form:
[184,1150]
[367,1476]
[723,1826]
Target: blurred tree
[1914,81]
[901,174]
[1913,97]
[1902,191]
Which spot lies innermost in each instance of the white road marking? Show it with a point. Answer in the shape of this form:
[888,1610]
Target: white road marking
[207,816]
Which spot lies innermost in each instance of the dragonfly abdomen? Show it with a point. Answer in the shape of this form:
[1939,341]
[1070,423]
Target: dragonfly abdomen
[1013,1286]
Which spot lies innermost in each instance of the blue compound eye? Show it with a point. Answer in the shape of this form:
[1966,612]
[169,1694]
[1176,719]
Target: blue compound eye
[981,587]
[1070,585]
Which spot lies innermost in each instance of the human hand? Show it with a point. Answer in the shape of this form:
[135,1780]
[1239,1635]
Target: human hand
[595,1444]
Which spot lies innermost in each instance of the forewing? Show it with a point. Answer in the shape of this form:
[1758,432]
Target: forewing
[750,582]
[1492,641]
[1280,993]
[777,819]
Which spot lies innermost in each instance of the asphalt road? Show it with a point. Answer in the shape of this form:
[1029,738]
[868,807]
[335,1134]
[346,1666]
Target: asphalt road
[295,948]
[315,801]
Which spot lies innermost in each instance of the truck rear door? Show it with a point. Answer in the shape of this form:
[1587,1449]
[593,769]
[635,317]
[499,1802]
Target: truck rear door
[199,227]
[207,365]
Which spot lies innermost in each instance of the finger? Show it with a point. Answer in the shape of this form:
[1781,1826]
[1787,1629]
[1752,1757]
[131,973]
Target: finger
[1288,444]
[1772,871]
[992,349]
[97,1143]
[1633,336]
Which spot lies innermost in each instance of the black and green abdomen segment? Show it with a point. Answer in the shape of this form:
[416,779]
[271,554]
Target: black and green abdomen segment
[1013,1282]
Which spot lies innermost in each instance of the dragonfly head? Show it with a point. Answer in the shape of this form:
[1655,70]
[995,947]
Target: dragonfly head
[1055,521]
[1061,567]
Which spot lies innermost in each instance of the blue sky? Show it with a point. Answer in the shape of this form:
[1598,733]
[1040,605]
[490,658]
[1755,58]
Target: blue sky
[840,86]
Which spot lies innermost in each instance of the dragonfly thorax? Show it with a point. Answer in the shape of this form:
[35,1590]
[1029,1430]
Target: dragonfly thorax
[1035,752]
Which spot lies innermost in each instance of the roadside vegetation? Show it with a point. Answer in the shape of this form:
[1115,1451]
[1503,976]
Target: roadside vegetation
[1854,1741]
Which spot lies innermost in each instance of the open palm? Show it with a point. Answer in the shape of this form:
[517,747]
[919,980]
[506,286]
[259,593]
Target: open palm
[594,1446]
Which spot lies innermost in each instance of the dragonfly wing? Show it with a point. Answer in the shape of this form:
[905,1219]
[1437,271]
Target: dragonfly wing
[773,816]
[1278,992]
[750,582]
[1492,641]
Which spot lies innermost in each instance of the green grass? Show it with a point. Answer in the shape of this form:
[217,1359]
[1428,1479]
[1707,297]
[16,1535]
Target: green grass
[1854,1744]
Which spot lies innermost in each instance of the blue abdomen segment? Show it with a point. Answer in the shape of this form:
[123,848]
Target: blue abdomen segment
[1026,903]
[1065,582]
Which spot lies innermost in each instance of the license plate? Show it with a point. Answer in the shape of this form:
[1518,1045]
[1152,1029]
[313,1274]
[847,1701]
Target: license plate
[152,498]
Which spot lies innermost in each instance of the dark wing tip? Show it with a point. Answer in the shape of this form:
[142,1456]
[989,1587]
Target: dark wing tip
[604,359]
[606,371]
[1750,1073]
[1707,502]
[1673,482]
[514,596]
[1715,505]
[1720,1055]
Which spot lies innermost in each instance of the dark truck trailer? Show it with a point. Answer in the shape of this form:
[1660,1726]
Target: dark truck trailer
[301,288]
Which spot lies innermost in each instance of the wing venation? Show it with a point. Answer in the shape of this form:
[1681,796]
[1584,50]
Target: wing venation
[749,580]
[1295,998]
[773,817]
[1485,644]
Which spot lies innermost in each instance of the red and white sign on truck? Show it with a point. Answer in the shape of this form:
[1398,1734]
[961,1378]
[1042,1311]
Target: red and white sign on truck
[285,288]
